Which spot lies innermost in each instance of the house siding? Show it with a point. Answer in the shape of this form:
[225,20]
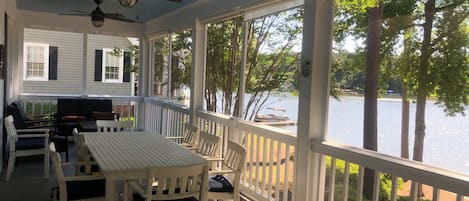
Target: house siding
[69,68]
[70,59]
[97,87]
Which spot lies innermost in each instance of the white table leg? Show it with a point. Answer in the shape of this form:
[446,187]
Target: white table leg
[110,189]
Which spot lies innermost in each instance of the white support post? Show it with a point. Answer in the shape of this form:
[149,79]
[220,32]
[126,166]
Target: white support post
[143,80]
[85,64]
[314,98]
[199,38]
[170,65]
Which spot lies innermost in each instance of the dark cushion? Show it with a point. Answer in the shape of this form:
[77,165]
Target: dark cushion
[29,143]
[219,183]
[97,115]
[18,119]
[85,189]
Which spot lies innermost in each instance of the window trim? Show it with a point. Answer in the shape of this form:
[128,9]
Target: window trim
[45,77]
[121,67]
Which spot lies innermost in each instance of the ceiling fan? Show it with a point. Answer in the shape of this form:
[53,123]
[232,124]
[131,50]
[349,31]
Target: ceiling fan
[97,16]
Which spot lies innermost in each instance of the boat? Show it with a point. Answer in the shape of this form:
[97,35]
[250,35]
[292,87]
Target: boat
[274,119]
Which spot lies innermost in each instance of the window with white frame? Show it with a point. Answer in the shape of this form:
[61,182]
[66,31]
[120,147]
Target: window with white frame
[113,65]
[36,62]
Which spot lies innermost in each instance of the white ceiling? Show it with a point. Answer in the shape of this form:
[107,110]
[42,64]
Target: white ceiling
[142,12]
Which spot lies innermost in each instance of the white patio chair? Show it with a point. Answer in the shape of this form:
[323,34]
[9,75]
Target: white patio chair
[171,183]
[207,145]
[87,187]
[26,142]
[188,138]
[83,155]
[114,126]
[224,181]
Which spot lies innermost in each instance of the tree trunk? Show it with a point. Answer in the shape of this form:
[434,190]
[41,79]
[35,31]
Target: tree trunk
[404,123]
[370,140]
[423,84]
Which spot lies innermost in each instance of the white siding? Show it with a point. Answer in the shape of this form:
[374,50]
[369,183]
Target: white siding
[70,67]
[97,87]
[69,60]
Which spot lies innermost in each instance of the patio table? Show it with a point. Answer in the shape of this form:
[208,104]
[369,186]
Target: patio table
[128,155]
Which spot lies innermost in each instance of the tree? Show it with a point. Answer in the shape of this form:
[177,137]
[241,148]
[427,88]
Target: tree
[270,67]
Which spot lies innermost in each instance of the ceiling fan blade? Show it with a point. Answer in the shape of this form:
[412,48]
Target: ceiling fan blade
[79,11]
[176,1]
[75,14]
[113,17]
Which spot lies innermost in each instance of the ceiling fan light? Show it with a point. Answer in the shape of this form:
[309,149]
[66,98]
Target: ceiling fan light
[97,21]
[128,3]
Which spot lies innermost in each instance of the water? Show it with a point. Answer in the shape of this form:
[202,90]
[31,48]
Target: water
[446,141]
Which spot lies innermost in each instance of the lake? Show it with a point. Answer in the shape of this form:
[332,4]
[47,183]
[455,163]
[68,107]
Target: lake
[446,141]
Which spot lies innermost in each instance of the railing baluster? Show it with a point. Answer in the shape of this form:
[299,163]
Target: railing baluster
[271,166]
[251,166]
[332,180]
[279,156]
[436,194]
[376,183]
[459,197]
[264,157]
[256,186]
[346,180]
[413,191]
[286,173]
[395,183]
[361,179]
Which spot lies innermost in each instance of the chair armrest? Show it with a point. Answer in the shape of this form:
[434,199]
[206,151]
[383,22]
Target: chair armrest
[33,136]
[34,130]
[173,137]
[215,172]
[84,178]
[78,163]
[213,159]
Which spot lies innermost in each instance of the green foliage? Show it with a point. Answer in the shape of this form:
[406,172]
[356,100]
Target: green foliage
[385,181]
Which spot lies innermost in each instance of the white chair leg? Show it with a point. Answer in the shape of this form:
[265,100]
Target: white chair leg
[46,163]
[11,165]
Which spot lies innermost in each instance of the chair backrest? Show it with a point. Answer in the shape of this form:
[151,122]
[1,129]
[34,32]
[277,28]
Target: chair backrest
[177,183]
[234,157]
[16,110]
[82,151]
[56,162]
[11,132]
[190,132]
[208,144]
[113,126]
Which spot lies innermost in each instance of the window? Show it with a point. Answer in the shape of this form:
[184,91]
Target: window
[36,61]
[113,66]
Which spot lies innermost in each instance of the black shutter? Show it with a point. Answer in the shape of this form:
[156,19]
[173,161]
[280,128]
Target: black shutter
[53,53]
[98,65]
[127,67]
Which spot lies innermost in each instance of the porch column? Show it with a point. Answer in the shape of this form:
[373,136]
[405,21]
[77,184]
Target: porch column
[314,97]
[144,80]
[199,37]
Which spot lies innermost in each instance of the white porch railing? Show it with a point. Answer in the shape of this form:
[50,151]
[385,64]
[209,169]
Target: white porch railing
[269,170]
[165,117]
[46,105]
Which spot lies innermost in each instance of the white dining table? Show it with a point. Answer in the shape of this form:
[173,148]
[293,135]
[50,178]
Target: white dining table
[128,155]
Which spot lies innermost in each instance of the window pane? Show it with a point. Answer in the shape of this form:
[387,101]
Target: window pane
[35,63]
[160,66]
[113,65]
[181,66]
[223,65]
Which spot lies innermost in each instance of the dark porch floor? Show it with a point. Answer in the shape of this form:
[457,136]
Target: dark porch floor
[27,181]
